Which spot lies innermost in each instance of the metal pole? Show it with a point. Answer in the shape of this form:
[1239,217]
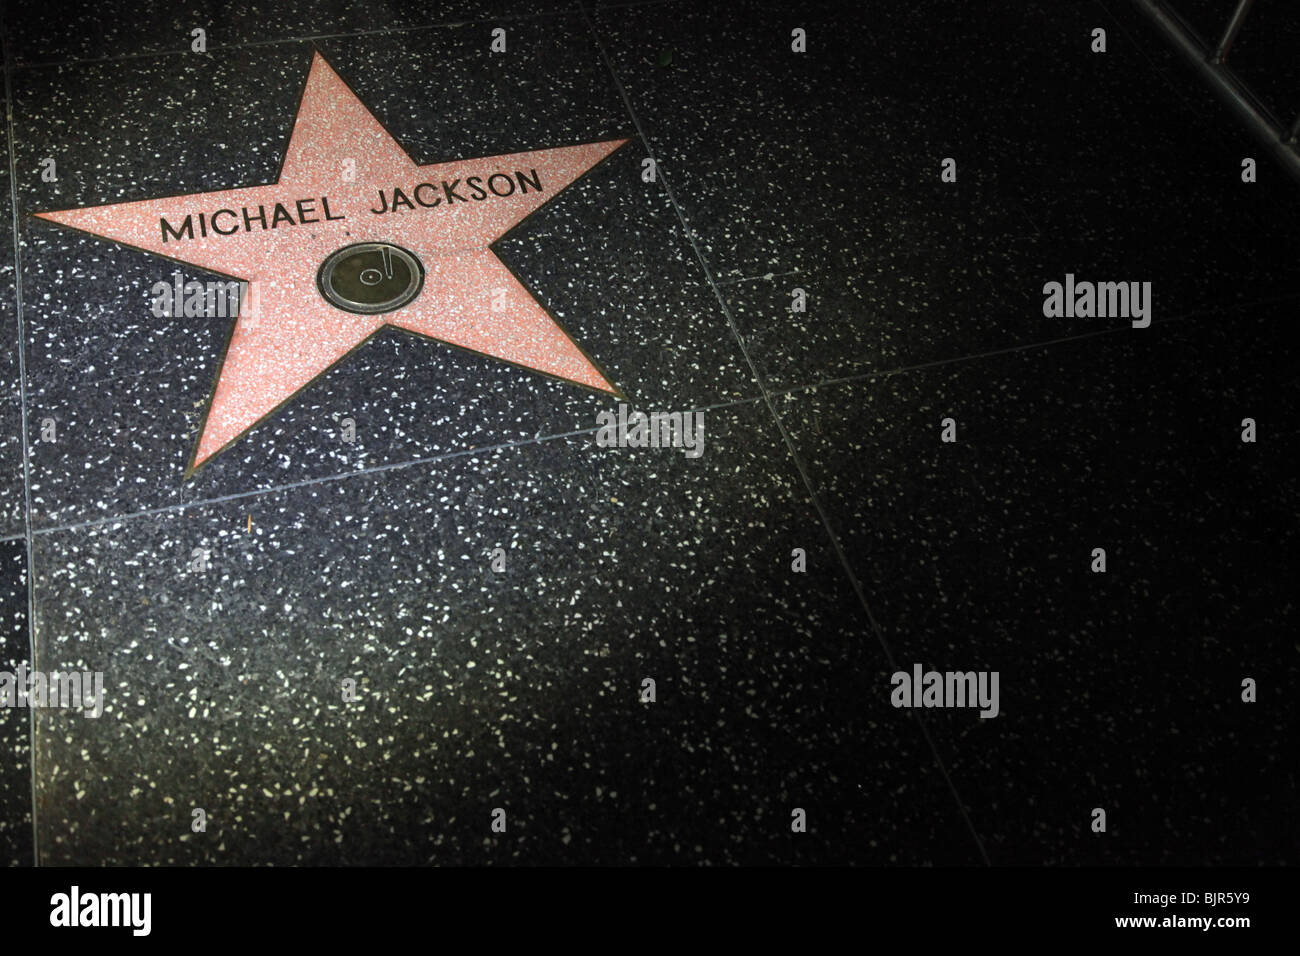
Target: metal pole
[1224,84]
[1233,28]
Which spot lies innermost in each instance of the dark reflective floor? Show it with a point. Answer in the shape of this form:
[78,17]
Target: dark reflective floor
[497,586]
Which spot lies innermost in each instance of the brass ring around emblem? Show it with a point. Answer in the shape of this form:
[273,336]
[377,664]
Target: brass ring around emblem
[370,277]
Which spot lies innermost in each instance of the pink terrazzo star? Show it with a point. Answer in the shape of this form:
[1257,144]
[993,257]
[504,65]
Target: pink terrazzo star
[341,166]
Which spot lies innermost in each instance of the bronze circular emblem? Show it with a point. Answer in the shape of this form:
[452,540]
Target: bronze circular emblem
[370,277]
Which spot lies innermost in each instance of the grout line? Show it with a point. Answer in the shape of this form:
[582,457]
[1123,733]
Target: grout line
[767,275]
[789,442]
[1044,343]
[125,376]
[22,398]
[487,449]
[345,475]
[954,360]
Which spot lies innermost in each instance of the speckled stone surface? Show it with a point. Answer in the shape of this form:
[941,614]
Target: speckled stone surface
[11,467]
[11,445]
[479,689]
[1113,192]
[15,635]
[15,722]
[1119,690]
[95,30]
[1106,192]
[607,257]
[229,612]
[861,126]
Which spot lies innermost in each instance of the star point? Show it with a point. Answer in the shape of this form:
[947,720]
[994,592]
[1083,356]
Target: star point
[345,181]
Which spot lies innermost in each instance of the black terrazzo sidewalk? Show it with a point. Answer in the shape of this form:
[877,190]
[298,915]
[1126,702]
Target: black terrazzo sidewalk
[355,652]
